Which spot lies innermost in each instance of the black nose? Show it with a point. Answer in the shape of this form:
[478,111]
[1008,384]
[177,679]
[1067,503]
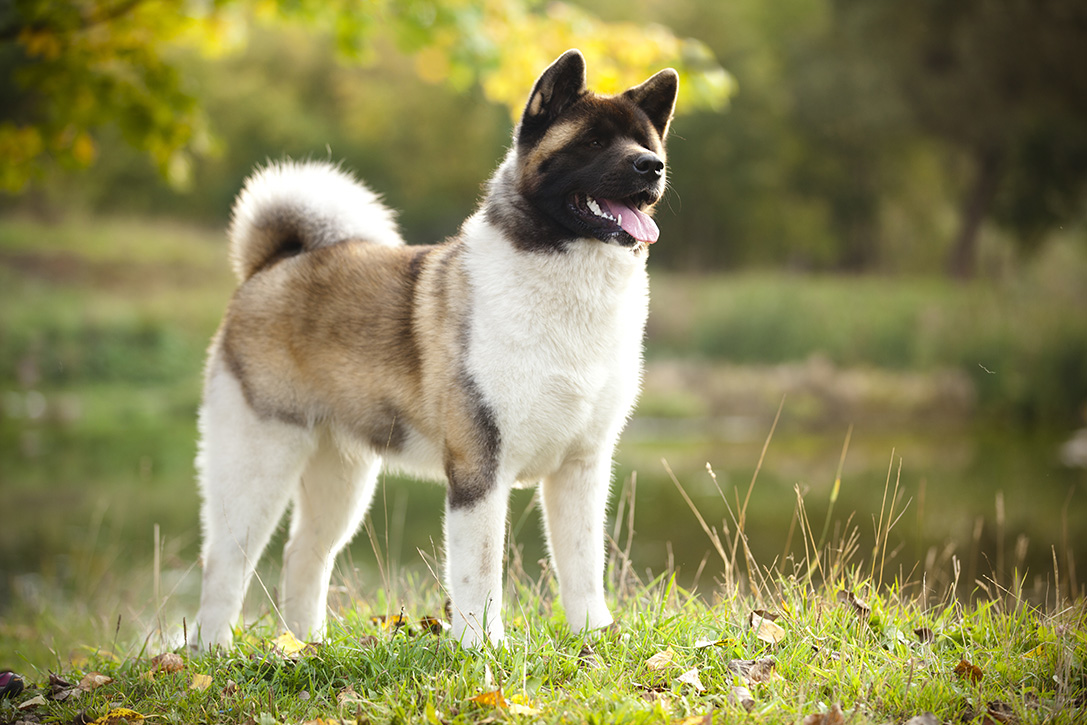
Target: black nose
[648,164]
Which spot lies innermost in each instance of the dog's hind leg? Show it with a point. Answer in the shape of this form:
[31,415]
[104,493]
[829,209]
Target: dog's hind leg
[329,506]
[249,466]
[575,503]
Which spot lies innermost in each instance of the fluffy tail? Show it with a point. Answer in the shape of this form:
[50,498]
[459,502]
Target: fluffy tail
[290,207]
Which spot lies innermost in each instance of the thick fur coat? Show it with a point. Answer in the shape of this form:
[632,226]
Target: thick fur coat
[510,354]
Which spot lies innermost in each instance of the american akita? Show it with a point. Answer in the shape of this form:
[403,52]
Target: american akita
[511,353]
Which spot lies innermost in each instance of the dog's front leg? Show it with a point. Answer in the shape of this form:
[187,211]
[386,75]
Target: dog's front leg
[475,527]
[575,500]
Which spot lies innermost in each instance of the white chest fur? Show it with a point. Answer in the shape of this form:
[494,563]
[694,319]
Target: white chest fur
[555,345]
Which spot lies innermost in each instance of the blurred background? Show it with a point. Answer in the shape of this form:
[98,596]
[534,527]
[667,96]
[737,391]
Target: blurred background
[875,235]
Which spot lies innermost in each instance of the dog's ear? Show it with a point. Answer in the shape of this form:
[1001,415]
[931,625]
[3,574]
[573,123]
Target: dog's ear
[657,98]
[556,89]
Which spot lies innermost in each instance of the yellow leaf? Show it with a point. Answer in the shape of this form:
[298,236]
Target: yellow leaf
[288,645]
[493,698]
[117,715]
[521,705]
[660,660]
[200,682]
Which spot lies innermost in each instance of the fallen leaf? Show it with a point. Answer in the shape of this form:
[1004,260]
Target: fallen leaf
[925,635]
[395,621]
[229,688]
[1001,711]
[288,645]
[201,682]
[167,662]
[765,614]
[32,702]
[860,607]
[589,659]
[755,671]
[118,715]
[832,717]
[60,690]
[723,642]
[925,718]
[740,695]
[94,680]
[765,629]
[433,625]
[348,696]
[660,660]
[706,719]
[494,698]
[520,705]
[968,671]
[690,677]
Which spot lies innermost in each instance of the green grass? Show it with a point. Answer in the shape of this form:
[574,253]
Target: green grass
[847,643]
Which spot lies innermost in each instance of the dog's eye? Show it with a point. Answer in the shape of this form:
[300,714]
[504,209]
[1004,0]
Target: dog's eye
[595,143]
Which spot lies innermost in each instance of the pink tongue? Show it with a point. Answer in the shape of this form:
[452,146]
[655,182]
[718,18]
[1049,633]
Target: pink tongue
[634,222]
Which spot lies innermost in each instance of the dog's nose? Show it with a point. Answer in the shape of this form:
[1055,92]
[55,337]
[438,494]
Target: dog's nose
[648,164]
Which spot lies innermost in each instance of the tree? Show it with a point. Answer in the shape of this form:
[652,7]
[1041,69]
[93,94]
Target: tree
[1001,82]
[75,67]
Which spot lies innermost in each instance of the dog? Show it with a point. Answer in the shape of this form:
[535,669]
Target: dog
[509,354]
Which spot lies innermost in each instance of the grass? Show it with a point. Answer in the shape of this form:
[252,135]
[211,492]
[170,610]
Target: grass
[828,632]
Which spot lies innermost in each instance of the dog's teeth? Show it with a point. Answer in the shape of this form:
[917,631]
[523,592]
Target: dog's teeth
[595,209]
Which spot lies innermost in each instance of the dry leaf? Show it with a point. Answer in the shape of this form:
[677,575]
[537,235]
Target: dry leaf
[764,627]
[348,696]
[167,662]
[660,660]
[201,682]
[740,695]
[690,677]
[755,671]
[860,607]
[494,698]
[32,702]
[60,690]
[706,719]
[723,642]
[1001,711]
[118,715]
[925,635]
[94,680]
[229,688]
[589,659]
[395,621]
[833,717]
[433,625]
[926,718]
[968,671]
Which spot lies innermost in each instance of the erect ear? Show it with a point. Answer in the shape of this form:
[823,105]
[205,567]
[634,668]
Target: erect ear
[560,85]
[657,98]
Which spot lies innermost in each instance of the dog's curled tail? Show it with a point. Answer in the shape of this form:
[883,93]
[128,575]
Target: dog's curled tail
[289,207]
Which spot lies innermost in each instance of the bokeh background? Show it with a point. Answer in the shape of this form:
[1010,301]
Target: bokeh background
[874,236]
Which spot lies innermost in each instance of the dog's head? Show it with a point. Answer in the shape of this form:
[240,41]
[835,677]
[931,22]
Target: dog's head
[593,165]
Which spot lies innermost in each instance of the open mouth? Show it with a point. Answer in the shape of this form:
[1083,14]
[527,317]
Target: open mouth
[615,217]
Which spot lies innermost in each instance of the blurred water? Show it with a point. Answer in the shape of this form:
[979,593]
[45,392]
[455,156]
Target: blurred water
[999,501]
